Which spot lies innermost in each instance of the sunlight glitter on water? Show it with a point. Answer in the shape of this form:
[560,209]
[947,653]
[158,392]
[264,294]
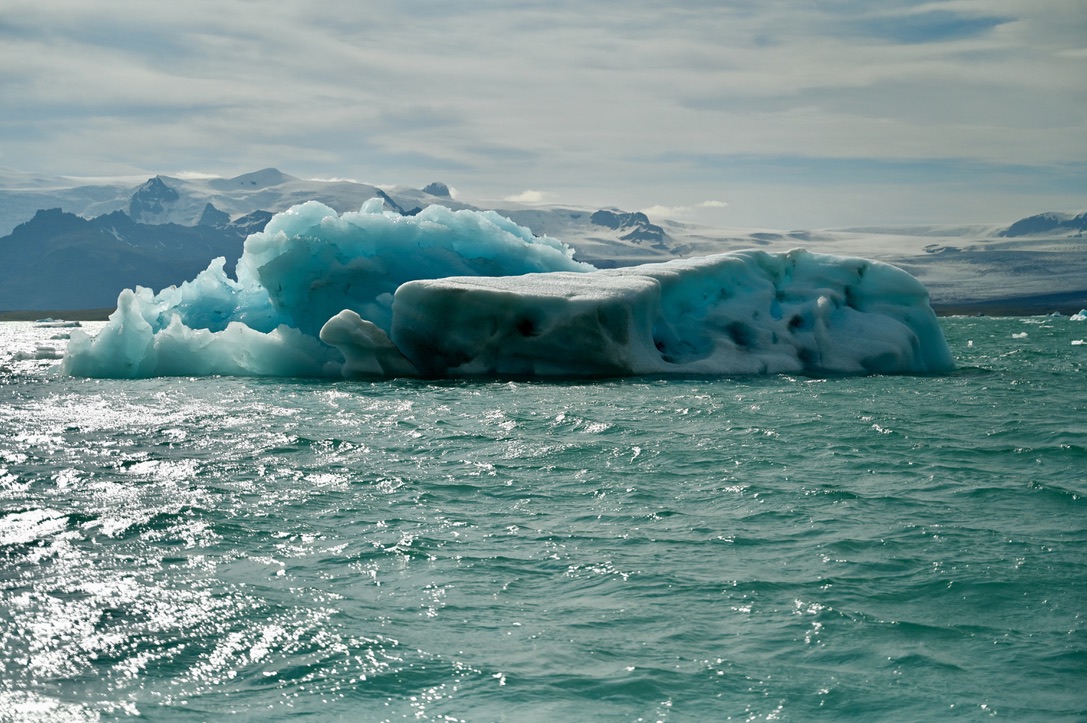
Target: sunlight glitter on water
[746,548]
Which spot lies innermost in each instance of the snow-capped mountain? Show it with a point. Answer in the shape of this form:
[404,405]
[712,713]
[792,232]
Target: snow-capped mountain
[1048,224]
[168,199]
[1041,257]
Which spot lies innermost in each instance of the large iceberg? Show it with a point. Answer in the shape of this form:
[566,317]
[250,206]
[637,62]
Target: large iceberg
[467,293]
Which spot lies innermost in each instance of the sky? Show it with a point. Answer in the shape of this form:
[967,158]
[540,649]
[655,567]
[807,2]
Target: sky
[768,113]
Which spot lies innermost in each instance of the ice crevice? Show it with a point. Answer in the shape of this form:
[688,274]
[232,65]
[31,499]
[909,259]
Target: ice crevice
[468,293]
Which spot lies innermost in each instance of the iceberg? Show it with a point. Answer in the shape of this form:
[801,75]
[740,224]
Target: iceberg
[467,293]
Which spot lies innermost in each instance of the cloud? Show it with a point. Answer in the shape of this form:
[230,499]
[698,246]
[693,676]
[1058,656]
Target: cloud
[480,94]
[661,211]
[193,175]
[926,26]
[530,197]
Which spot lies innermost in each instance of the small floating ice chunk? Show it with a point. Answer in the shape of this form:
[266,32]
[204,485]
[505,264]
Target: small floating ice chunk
[1080,315]
[51,323]
[40,352]
[1020,335]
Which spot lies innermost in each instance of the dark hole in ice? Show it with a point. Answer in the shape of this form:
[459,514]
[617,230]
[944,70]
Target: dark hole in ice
[527,327]
[742,335]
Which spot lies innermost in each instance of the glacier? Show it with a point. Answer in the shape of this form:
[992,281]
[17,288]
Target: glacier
[444,293]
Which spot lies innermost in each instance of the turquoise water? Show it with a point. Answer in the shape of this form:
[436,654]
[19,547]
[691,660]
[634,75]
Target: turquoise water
[876,548]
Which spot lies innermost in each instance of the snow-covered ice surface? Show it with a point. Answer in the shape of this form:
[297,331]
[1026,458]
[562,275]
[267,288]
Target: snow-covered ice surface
[449,293]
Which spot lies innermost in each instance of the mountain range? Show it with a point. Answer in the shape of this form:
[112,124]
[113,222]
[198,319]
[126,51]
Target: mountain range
[71,244]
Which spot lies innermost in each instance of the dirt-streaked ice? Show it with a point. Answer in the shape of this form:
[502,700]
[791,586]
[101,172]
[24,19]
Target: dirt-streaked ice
[447,293]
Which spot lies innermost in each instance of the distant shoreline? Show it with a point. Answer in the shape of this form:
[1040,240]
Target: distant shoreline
[57,315]
[1064,303]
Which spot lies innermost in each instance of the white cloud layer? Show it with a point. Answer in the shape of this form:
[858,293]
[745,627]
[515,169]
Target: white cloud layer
[660,211]
[975,109]
[530,197]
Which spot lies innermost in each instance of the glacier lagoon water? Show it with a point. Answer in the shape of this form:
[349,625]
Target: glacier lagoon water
[767,548]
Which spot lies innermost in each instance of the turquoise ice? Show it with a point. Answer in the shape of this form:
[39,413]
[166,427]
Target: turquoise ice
[468,293]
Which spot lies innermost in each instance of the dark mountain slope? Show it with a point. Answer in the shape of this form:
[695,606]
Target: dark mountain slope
[58,260]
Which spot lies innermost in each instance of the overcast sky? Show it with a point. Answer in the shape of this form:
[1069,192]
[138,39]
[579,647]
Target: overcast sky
[774,113]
